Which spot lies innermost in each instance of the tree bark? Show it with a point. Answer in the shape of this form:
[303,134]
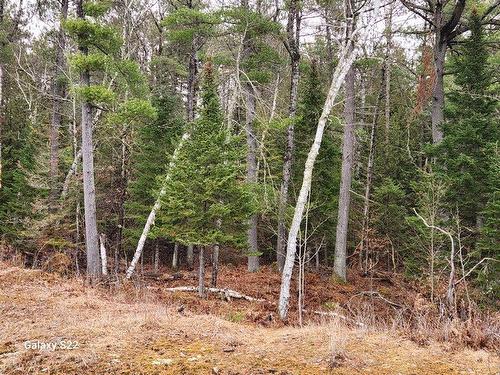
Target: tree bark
[293,45]
[104,258]
[346,59]
[58,93]
[89,195]
[369,172]
[175,257]
[339,265]
[157,257]
[2,100]
[190,256]
[215,266]
[201,272]
[437,110]
[253,258]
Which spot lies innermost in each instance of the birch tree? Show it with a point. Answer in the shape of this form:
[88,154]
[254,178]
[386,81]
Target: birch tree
[346,59]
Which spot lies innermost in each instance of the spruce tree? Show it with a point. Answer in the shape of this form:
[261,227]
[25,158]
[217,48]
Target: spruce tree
[207,202]
[464,153]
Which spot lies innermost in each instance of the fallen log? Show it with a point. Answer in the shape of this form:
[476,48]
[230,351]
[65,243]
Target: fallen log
[228,293]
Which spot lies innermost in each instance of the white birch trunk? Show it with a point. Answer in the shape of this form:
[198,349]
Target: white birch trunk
[346,60]
[154,210]
[104,258]
[71,172]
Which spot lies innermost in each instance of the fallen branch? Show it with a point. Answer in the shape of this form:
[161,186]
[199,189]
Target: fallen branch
[228,293]
[378,295]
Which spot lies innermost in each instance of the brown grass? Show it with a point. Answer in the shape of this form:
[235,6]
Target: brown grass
[131,331]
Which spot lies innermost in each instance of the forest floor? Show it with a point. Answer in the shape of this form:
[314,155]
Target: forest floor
[140,328]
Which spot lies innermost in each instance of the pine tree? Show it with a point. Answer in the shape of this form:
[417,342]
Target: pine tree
[207,202]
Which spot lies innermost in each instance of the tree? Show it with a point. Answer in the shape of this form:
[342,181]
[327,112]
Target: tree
[292,45]
[444,19]
[99,48]
[206,201]
[347,157]
[347,57]
[465,155]
[58,92]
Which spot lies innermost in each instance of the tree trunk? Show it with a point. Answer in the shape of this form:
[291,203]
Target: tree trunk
[58,92]
[253,257]
[369,173]
[346,59]
[175,257]
[154,210]
[104,258]
[157,258]
[339,265]
[215,265]
[190,256]
[387,94]
[437,111]
[293,40]
[201,273]
[191,84]
[2,100]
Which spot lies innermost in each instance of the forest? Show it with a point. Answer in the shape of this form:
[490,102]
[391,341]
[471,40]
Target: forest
[249,187]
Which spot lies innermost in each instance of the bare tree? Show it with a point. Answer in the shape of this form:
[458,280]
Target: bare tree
[89,195]
[292,45]
[347,57]
[347,155]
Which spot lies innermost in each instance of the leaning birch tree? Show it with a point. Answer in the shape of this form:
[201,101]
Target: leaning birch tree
[347,57]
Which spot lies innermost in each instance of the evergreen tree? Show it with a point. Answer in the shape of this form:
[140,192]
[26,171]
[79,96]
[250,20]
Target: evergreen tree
[489,242]
[326,178]
[155,141]
[464,153]
[206,201]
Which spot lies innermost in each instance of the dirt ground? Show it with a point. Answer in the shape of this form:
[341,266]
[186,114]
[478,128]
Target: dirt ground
[140,329]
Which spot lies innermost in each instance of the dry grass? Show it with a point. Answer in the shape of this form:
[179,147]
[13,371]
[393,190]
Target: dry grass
[127,332]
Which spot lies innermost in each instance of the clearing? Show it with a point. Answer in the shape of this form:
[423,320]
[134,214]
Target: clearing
[134,330]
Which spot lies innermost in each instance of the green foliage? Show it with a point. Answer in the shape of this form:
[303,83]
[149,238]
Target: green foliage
[90,34]
[464,152]
[489,241]
[185,24]
[97,95]
[96,8]
[207,201]
[91,62]
[389,211]
[18,162]
[155,141]
[326,176]
[134,111]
